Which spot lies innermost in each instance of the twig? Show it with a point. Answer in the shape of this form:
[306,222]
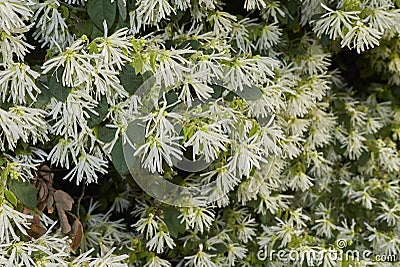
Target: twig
[80,199]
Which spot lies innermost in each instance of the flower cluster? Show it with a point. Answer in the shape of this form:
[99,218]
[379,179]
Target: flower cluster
[292,136]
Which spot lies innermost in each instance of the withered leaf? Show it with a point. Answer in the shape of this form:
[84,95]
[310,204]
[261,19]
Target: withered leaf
[43,191]
[65,227]
[36,230]
[64,200]
[46,173]
[77,234]
[64,203]
[50,202]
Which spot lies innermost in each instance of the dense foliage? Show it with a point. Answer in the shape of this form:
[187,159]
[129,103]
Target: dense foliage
[288,112]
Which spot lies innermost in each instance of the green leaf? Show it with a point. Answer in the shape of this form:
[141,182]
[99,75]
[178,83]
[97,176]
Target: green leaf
[85,27]
[11,197]
[118,158]
[44,97]
[64,12]
[101,109]
[122,9]
[96,32]
[59,91]
[177,17]
[250,93]
[93,49]
[100,10]
[218,90]
[24,191]
[219,248]
[175,227]
[136,131]
[129,79]
[138,64]
[105,134]
[190,44]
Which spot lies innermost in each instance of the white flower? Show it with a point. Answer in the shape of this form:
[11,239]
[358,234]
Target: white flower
[86,168]
[364,197]
[284,231]
[121,202]
[10,217]
[249,72]
[171,67]
[76,63]
[382,19]
[353,142]
[316,61]
[156,148]
[388,156]
[158,240]
[198,218]
[148,224]
[51,28]
[270,36]
[247,154]
[390,215]
[240,34]
[113,48]
[246,229]
[22,123]
[198,81]
[71,116]
[299,180]
[20,254]
[222,22]
[361,37]
[79,2]
[333,22]
[253,4]
[324,226]
[107,83]
[208,4]
[14,44]
[157,262]
[200,259]
[210,65]
[272,9]
[160,121]
[235,253]
[226,180]
[60,152]
[208,140]
[109,260]
[149,12]
[17,82]
[13,13]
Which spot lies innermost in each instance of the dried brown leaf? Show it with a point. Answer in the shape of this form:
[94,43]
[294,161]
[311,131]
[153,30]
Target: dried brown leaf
[36,231]
[43,191]
[64,203]
[77,234]
[50,203]
[46,173]
[63,200]
[65,226]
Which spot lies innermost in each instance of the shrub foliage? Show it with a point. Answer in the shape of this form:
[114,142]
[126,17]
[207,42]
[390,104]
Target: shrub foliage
[292,106]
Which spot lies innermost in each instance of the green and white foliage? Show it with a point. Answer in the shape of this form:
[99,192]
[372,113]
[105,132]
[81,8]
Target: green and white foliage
[310,158]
